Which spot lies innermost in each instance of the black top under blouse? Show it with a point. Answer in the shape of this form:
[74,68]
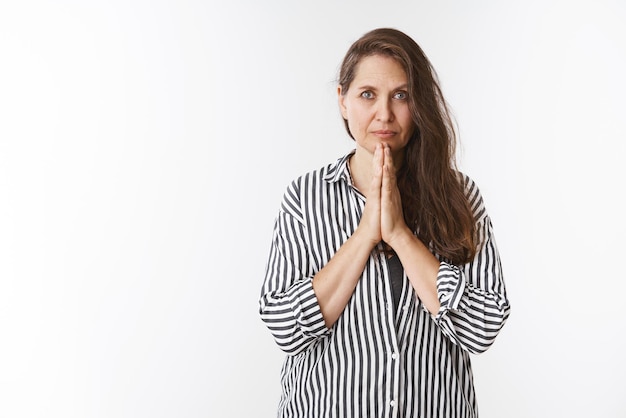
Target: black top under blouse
[396,273]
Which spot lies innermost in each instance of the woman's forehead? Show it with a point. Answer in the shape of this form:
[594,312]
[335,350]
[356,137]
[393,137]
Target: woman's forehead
[379,69]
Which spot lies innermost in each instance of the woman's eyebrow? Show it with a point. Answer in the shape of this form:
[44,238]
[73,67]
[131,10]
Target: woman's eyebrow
[403,86]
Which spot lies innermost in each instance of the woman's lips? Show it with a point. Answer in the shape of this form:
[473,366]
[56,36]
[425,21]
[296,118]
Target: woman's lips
[383,133]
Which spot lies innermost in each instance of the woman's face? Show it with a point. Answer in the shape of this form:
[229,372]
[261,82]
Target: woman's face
[376,105]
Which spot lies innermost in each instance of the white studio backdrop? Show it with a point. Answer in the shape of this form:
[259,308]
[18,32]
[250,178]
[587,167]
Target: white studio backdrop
[145,146]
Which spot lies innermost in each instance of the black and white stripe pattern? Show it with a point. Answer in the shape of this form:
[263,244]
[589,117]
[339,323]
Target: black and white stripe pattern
[374,362]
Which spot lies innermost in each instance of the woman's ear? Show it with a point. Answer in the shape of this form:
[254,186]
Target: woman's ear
[342,105]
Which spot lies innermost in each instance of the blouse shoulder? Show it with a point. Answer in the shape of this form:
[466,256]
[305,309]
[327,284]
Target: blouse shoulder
[474,197]
[304,185]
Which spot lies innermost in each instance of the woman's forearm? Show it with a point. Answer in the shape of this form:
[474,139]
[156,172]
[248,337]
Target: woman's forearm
[335,283]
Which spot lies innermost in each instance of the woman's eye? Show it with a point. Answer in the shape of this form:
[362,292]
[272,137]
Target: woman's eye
[367,94]
[401,95]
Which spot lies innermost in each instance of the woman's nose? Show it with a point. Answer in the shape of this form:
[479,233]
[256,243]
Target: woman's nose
[383,111]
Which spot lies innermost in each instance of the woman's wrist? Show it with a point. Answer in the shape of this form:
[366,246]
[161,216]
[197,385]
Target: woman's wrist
[401,239]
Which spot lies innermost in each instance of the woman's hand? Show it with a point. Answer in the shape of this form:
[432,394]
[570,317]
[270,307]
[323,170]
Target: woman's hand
[370,225]
[392,224]
[382,216]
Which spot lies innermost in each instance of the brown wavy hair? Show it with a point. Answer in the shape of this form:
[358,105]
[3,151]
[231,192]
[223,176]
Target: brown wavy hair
[434,202]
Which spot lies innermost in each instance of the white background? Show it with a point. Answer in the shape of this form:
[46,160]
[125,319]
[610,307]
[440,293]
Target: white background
[145,146]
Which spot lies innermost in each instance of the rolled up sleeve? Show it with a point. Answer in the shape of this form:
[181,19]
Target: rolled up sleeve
[288,305]
[473,302]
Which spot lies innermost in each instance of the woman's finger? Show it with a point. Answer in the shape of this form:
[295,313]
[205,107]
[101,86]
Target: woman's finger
[391,202]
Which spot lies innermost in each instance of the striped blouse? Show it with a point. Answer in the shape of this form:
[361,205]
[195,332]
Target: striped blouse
[375,361]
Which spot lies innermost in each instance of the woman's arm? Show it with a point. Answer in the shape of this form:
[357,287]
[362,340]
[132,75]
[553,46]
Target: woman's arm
[297,304]
[419,264]
[472,297]
[468,302]
[335,283]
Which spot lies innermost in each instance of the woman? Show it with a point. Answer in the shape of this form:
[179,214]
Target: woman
[383,274]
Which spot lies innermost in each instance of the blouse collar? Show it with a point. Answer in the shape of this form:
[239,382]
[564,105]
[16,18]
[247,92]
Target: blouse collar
[339,170]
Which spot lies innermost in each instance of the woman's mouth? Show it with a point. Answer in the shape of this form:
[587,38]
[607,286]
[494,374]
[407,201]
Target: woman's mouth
[384,133]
